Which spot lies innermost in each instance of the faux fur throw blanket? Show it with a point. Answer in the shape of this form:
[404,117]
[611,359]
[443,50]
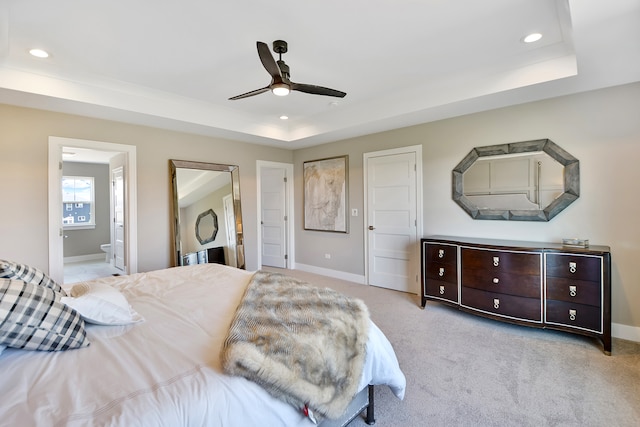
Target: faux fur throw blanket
[303,344]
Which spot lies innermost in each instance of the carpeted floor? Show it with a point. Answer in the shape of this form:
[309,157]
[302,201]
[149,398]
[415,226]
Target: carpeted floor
[464,370]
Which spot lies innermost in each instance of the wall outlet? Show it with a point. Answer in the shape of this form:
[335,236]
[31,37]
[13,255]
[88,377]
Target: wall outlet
[327,256]
[354,212]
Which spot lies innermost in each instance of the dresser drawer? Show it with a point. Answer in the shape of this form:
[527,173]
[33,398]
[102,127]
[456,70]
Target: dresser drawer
[574,291]
[442,272]
[443,290]
[519,308]
[503,282]
[495,261]
[574,315]
[441,253]
[572,266]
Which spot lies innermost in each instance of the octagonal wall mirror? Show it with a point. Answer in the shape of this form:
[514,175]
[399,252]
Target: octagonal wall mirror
[207,215]
[521,181]
[207,227]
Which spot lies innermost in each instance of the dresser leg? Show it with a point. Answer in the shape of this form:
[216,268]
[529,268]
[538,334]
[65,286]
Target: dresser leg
[606,342]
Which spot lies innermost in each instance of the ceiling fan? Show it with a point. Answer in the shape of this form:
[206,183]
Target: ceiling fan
[280,84]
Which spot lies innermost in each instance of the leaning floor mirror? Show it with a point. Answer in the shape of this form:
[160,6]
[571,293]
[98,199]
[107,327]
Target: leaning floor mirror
[207,217]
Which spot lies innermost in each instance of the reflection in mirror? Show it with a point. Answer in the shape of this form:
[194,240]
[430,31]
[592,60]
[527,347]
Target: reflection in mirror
[526,181]
[207,216]
[207,227]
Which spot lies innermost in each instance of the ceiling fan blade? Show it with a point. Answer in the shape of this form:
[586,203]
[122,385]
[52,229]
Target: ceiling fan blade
[268,62]
[317,90]
[252,93]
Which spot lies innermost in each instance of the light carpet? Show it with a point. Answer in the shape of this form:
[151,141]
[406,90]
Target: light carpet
[464,370]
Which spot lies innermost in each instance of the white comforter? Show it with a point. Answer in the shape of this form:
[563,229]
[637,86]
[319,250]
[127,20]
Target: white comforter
[162,372]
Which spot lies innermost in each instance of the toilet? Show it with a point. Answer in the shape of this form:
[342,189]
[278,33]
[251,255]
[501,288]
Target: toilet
[106,248]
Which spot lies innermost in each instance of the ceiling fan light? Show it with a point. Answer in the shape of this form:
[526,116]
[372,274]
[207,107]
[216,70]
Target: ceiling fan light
[280,89]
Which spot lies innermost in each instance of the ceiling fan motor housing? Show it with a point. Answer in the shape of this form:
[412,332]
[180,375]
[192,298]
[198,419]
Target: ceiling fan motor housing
[284,68]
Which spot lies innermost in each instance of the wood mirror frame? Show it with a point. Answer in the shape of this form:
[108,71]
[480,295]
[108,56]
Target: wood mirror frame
[571,181]
[236,259]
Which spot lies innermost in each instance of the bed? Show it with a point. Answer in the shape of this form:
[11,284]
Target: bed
[163,366]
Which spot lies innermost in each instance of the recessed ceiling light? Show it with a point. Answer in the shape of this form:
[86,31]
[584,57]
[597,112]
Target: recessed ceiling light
[39,53]
[531,38]
[283,117]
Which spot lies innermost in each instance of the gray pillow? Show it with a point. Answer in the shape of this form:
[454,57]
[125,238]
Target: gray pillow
[34,318]
[26,273]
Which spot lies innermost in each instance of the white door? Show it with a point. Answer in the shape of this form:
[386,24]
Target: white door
[273,216]
[230,228]
[117,196]
[392,224]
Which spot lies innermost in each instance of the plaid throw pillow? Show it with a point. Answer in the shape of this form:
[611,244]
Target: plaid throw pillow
[26,273]
[33,318]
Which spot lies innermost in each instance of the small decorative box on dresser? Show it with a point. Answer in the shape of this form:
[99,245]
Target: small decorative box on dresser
[544,285]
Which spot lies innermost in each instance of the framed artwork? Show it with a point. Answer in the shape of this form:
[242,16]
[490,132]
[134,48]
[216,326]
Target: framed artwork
[326,187]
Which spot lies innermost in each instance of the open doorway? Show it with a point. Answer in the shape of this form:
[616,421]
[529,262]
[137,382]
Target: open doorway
[92,215]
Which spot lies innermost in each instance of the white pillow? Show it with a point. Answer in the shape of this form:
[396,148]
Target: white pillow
[2,347]
[101,304]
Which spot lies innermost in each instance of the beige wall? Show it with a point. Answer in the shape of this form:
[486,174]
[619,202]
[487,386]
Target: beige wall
[600,128]
[24,135]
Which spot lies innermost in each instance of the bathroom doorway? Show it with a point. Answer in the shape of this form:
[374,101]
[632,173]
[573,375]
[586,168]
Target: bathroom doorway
[87,212]
[100,241]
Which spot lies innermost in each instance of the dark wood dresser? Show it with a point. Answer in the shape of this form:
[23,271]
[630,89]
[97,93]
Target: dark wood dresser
[544,285]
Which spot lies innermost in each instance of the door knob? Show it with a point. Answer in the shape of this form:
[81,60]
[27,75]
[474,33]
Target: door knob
[371,227]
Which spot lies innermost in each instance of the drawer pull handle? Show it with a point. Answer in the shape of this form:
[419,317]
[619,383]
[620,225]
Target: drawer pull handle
[440,253]
[573,267]
[441,272]
[496,280]
[441,290]
[572,314]
[496,261]
[573,291]
[496,303]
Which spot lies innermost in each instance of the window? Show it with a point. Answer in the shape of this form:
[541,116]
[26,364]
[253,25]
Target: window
[78,204]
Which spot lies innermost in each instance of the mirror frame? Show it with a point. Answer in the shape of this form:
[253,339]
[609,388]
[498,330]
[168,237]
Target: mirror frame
[235,191]
[571,181]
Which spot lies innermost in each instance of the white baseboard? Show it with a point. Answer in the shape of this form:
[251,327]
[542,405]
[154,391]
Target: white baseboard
[625,332]
[89,257]
[357,278]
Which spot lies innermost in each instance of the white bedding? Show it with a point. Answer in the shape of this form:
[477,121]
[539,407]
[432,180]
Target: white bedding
[164,371]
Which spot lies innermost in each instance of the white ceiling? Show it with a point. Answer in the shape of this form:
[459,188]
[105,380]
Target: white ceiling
[175,64]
